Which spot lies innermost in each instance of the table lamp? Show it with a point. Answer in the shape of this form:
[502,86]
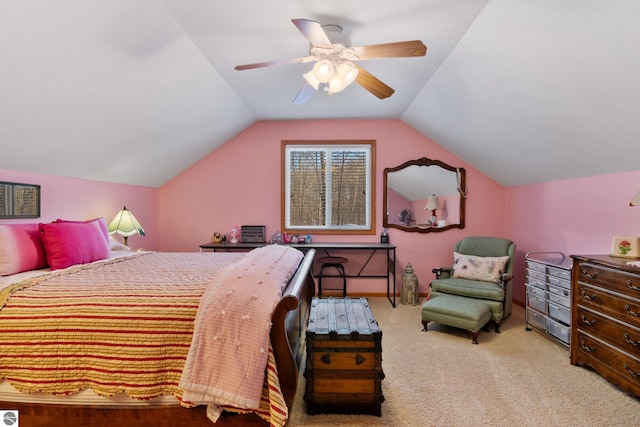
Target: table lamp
[433,203]
[125,224]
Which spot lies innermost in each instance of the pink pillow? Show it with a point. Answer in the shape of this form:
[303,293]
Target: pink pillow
[69,243]
[20,248]
[101,223]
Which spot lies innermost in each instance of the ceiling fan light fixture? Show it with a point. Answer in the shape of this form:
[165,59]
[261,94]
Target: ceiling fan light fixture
[311,79]
[323,70]
[346,73]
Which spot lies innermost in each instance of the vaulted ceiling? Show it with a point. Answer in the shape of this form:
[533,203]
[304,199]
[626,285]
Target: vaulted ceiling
[137,91]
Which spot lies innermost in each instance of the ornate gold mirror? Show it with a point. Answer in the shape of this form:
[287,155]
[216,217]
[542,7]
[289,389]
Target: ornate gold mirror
[424,196]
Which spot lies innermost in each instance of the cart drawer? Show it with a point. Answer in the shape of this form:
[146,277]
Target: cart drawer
[558,330]
[560,313]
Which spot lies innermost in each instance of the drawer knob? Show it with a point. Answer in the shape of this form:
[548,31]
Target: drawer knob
[587,322]
[584,295]
[632,286]
[586,348]
[360,359]
[630,341]
[589,275]
[631,312]
[631,372]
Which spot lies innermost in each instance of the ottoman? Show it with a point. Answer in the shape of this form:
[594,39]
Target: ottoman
[460,312]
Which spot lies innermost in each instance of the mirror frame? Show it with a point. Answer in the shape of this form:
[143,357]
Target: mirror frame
[424,162]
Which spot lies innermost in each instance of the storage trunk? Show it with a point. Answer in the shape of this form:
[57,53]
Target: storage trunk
[344,358]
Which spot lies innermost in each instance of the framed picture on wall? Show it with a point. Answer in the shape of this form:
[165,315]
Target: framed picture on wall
[19,200]
[625,246]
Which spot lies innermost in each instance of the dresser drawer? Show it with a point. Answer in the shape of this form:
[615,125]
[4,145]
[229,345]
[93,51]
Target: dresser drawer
[618,281]
[614,305]
[617,367]
[623,336]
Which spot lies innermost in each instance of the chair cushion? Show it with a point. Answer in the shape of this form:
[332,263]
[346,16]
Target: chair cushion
[469,288]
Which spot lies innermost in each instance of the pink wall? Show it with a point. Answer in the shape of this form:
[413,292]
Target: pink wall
[80,199]
[239,183]
[573,216]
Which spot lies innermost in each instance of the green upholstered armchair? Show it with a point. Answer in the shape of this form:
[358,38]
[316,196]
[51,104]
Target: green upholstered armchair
[497,294]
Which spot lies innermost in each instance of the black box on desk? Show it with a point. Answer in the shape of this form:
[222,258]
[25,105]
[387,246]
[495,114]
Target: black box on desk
[253,234]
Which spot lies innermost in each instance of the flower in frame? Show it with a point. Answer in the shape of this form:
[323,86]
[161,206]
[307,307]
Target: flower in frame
[624,247]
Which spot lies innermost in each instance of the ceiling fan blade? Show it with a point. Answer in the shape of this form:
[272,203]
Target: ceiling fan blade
[373,84]
[313,32]
[275,62]
[391,50]
[304,94]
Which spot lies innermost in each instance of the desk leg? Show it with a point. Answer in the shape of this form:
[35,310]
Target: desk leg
[391,271]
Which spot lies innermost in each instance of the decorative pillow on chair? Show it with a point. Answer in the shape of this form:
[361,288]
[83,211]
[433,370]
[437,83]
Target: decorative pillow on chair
[487,269]
[20,248]
[74,242]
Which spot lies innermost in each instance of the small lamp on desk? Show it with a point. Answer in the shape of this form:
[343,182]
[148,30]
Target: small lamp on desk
[125,224]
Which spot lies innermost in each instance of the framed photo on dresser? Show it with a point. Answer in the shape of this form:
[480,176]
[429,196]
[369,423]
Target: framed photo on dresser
[625,246]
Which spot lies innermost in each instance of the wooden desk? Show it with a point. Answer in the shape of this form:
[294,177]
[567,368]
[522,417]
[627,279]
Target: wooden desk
[326,249]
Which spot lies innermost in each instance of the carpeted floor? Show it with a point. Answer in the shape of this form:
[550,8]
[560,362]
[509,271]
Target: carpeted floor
[516,377]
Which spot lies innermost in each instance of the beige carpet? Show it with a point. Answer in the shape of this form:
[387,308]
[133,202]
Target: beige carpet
[517,377]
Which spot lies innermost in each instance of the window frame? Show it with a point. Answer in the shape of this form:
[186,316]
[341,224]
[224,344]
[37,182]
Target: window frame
[368,228]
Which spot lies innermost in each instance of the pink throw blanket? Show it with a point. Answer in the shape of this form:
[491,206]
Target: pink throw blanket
[236,327]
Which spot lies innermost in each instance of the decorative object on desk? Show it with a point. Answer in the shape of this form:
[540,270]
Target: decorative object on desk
[276,238]
[125,224]
[234,234]
[636,200]
[433,204]
[253,234]
[625,246]
[217,237]
[410,292]
[384,237]
[285,238]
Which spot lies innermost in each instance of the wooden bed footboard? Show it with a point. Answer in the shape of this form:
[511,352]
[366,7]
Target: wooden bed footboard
[287,337]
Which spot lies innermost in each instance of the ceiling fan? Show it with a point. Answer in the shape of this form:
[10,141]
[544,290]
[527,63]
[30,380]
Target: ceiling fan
[334,60]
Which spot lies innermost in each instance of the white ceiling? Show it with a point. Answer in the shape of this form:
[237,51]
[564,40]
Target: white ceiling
[137,91]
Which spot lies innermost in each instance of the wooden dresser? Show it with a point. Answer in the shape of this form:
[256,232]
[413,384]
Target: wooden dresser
[605,327]
[344,358]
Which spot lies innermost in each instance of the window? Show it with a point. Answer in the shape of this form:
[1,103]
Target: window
[19,200]
[328,187]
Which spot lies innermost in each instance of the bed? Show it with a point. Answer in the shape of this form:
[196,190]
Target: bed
[135,301]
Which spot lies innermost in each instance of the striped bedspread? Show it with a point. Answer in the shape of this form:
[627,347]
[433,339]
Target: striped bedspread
[121,326]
